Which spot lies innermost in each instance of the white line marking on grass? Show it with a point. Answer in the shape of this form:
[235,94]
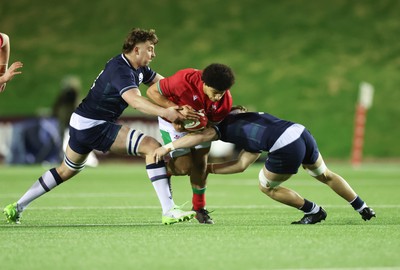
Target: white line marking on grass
[346,268]
[81,195]
[210,206]
[91,225]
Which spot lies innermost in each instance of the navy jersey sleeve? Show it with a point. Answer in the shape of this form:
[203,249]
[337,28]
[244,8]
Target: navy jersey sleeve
[123,79]
[148,75]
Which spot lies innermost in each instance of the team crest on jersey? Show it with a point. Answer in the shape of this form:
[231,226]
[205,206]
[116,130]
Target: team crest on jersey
[195,97]
[140,78]
[214,107]
[177,136]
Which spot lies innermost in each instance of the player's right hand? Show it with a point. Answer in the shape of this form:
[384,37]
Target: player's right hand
[189,113]
[172,114]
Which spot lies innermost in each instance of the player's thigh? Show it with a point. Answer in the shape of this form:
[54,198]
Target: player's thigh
[278,177]
[316,164]
[312,159]
[119,145]
[318,169]
[270,181]
[133,142]
[181,165]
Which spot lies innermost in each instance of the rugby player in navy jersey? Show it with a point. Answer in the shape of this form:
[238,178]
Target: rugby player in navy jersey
[289,145]
[93,126]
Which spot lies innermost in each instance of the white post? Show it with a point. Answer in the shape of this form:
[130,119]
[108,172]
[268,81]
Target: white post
[365,97]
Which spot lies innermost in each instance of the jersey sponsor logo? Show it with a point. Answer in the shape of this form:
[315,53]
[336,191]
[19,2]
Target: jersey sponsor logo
[140,77]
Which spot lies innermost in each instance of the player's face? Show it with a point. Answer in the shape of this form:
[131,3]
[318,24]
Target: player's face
[213,94]
[145,53]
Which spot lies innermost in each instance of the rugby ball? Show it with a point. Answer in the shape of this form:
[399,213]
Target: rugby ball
[196,125]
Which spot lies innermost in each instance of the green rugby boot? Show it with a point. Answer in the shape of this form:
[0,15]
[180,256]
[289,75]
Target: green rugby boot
[12,214]
[176,215]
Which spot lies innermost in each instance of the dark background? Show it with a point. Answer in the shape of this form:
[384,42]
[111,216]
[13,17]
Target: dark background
[301,60]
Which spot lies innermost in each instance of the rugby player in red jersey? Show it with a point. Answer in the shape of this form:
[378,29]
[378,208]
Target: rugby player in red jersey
[206,91]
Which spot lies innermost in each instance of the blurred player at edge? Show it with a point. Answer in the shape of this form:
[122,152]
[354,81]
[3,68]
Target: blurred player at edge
[93,126]
[289,145]
[206,91]
[7,73]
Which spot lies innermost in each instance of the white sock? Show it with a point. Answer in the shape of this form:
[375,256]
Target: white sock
[158,177]
[45,183]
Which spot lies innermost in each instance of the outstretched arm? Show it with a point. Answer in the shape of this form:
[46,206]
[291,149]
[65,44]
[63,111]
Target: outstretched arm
[187,141]
[135,100]
[244,160]
[153,94]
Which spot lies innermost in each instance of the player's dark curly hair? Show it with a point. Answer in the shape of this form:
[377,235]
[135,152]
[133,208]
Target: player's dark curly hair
[137,35]
[218,76]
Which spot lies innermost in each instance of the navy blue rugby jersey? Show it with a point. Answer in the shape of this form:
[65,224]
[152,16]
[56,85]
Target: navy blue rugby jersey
[104,100]
[252,131]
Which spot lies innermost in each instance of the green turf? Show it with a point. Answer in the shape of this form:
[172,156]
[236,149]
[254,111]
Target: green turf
[109,218]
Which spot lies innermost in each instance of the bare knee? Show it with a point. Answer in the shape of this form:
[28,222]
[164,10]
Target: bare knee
[148,145]
[269,191]
[180,168]
[65,173]
[69,168]
[326,177]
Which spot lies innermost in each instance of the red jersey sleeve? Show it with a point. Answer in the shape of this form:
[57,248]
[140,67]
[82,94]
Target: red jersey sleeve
[182,87]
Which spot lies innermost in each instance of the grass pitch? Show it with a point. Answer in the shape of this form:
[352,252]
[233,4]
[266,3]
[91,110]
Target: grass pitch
[110,218]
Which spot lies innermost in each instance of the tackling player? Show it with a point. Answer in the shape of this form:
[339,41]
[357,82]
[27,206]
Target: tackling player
[206,91]
[93,126]
[289,145]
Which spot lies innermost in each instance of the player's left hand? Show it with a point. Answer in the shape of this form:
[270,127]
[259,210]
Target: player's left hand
[173,114]
[10,73]
[159,153]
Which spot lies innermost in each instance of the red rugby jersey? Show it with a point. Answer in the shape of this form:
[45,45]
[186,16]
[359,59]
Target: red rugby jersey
[186,88]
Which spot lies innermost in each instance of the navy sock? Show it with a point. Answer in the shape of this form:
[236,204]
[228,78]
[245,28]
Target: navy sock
[357,203]
[308,206]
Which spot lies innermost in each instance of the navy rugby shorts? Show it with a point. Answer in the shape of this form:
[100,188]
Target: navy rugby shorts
[99,137]
[289,158]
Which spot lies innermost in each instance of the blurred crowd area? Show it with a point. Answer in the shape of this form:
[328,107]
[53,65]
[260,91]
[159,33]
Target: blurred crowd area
[38,140]
[42,139]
